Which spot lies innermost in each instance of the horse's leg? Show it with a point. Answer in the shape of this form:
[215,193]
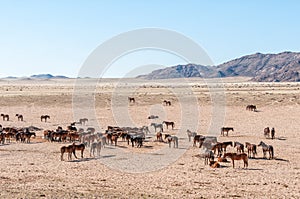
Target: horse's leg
[232,162]
[82,153]
[62,156]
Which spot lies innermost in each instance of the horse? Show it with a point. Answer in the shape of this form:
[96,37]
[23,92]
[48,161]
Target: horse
[95,146]
[208,156]
[267,132]
[200,139]
[155,125]
[273,133]
[267,148]
[79,147]
[220,147]
[159,136]
[45,117]
[69,149]
[169,124]
[5,117]
[131,99]
[234,156]
[226,129]
[239,147]
[20,117]
[138,140]
[151,117]
[167,103]
[28,135]
[83,121]
[190,134]
[114,138]
[172,138]
[2,138]
[251,108]
[251,149]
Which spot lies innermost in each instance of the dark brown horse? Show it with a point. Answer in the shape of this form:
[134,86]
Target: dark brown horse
[167,103]
[239,147]
[251,149]
[226,130]
[45,117]
[131,99]
[20,117]
[78,147]
[5,117]
[234,156]
[220,147]
[172,124]
[273,133]
[200,139]
[251,108]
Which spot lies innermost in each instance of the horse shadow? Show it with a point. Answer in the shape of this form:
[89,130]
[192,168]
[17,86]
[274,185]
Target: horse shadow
[82,160]
[107,156]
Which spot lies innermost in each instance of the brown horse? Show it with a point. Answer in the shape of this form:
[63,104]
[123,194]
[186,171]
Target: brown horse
[169,124]
[159,136]
[67,149]
[20,117]
[5,117]
[267,132]
[251,149]
[226,129]
[234,156]
[45,117]
[131,99]
[114,139]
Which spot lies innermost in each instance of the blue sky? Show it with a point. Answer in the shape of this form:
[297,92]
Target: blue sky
[52,36]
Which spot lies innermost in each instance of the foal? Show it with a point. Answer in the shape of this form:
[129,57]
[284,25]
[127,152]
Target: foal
[251,149]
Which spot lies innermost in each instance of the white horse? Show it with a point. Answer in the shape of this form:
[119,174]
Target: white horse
[190,134]
[95,146]
[155,125]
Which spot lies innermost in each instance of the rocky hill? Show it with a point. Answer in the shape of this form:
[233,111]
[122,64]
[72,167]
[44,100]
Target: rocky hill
[284,66]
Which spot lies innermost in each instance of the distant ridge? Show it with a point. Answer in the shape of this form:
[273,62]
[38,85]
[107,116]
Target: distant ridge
[260,67]
[48,76]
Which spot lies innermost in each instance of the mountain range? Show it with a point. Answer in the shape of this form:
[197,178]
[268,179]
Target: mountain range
[260,67]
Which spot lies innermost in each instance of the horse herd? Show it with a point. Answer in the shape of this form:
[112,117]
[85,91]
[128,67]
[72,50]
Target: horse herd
[135,136]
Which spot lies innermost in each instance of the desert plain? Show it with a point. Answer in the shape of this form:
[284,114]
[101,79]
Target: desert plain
[35,170]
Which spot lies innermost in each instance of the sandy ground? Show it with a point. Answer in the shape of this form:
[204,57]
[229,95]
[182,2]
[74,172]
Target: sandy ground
[34,170]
